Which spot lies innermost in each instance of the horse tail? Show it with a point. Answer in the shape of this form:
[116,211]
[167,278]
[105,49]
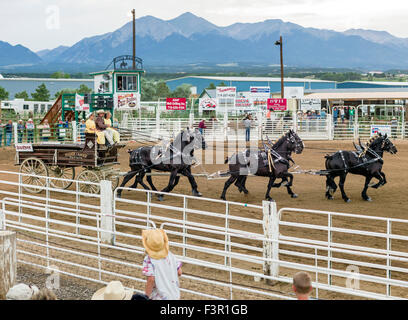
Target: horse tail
[226,160]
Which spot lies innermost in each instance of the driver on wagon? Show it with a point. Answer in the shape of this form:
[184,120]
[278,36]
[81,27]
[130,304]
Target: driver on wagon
[102,127]
[91,128]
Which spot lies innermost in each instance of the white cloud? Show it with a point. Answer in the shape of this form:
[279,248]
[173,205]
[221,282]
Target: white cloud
[25,21]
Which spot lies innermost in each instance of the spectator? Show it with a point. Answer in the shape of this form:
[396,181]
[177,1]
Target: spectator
[335,115]
[21,291]
[351,114]
[1,132]
[247,124]
[160,266]
[342,114]
[61,131]
[30,130]
[9,132]
[323,114]
[44,294]
[20,131]
[46,131]
[113,291]
[115,123]
[302,285]
[202,126]
[82,127]
[394,127]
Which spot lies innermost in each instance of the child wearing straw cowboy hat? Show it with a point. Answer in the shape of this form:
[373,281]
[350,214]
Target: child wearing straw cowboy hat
[160,266]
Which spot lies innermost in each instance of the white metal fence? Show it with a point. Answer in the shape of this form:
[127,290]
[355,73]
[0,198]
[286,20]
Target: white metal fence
[226,247]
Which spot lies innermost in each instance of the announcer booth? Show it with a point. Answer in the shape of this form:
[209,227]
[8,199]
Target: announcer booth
[116,88]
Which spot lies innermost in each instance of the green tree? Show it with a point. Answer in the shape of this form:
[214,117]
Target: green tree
[60,75]
[162,90]
[211,86]
[4,95]
[148,90]
[83,89]
[182,91]
[57,94]
[41,93]
[222,84]
[22,95]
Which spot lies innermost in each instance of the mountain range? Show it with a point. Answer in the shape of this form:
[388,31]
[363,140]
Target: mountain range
[189,40]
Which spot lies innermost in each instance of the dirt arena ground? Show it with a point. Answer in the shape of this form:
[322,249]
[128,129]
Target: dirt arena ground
[388,201]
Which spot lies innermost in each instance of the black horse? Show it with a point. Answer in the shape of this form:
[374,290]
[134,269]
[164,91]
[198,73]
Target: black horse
[367,161]
[272,163]
[175,157]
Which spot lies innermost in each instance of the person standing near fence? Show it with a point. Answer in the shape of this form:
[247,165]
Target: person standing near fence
[61,131]
[302,285]
[82,127]
[30,130]
[247,125]
[9,132]
[394,127]
[1,132]
[202,126]
[335,115]
[20,130]
[46,131]
[160,266]
[351,114]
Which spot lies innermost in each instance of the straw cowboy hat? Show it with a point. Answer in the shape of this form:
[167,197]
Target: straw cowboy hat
[156,243]
[100,111]
[21,291]
[113,291]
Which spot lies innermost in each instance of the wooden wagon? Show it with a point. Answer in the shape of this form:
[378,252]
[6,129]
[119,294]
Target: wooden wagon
[58,160]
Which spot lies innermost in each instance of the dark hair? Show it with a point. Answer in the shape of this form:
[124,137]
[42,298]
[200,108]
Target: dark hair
[139,296]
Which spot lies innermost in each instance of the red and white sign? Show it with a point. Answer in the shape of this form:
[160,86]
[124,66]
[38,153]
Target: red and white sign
[127,101]
[243,103]
[176,104]
[80,103]
[226,92]
[24,147]
[277,104]
[206,104]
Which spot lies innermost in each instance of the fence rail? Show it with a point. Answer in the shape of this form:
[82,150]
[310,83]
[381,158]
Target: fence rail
[227,246]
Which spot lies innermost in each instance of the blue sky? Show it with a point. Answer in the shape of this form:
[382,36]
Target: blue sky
[46,24]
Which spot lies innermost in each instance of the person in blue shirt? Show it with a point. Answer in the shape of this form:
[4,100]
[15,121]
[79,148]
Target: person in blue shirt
[335,115]
[9,132]
[20,131]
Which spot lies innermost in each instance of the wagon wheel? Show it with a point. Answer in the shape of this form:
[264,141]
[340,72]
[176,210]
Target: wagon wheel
[63,173]
[37,167]
[88,176]
[114,179]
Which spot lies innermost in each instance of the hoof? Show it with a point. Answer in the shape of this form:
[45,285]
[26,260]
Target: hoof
[347,200]
[269,199]
[223,198]
[240,190]
[160,197]
[329,198]
[285,184]
[367,199]
[246,191]
[294,195]
[197,194]
[118,196]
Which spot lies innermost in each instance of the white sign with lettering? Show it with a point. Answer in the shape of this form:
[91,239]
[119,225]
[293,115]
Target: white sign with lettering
[24,147]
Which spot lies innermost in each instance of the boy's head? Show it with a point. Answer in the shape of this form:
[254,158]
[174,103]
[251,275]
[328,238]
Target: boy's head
[302,284]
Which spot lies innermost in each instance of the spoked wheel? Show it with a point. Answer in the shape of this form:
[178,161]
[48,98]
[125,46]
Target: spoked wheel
[114,179]
[36,167]
[63,173]
[88,176]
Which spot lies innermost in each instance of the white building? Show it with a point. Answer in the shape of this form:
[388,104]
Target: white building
[21,106]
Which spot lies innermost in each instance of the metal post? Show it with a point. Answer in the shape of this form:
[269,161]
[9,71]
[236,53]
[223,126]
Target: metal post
[74,131]
[107,220]
[134,40]
[271,233]
[15,132]
[8,261]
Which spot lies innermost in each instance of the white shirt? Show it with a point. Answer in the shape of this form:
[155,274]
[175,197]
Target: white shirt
[247,123]
[165,276]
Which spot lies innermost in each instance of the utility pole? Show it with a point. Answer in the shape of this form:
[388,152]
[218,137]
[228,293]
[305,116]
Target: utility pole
[280,44]
[134,39]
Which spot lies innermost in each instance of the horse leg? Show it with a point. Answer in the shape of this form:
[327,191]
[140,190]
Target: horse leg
[289,185]
[139,179]
[364,192]
[341,185]
[173,176]
[270,184]
[330,187]
[383,175]
[192,181]
[378,176]
[240,183]
[176,181]
[150,181]
[126,179]
[227,184]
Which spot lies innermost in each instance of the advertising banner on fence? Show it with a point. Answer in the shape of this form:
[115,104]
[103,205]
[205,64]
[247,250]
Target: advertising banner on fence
[226,92]
[243,103]
[127,101]
[380,128]
[176,104]
[80,103]
[293,92]
[310,104]
[277,104]
[207,104]
[260,92]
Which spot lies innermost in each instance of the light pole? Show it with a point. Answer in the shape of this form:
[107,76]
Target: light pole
[280,44]
[134,39]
